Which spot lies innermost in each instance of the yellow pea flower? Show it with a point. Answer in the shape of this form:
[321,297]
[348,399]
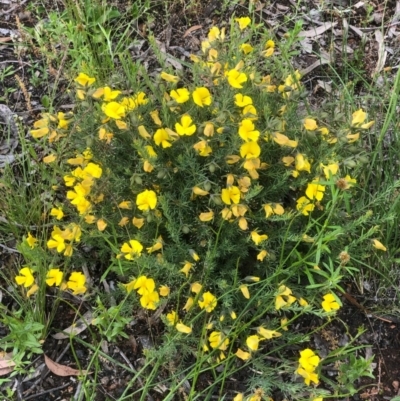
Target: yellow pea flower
[84,80]
[329,303]
[202,97]
[169,77]
[252,342]
[183,328]
[243,22]
[31,240]
[208,302]
[146,200]
[54,277]
[230,195]
[25,277]
[378,245]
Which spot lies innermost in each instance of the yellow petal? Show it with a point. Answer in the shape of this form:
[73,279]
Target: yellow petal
[49,159]
[183,329]
[245,291]
[101,225]
[378,245]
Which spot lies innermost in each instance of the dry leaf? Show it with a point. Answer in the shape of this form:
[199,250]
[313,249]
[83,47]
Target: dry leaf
[62,370]
[3,40]
[382,53]
[317,31]
[76,327]
[192,29]
[6,364]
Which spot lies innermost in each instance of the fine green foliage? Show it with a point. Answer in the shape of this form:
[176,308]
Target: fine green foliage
[227,207]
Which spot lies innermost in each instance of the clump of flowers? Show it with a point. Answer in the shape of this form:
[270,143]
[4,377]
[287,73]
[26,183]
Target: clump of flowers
[215,182]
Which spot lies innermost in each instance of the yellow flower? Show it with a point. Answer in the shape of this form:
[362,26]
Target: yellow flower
[57,213]
[196,287]
[38,133]
[156,118]
[250,150]
[31,240]
[209,302]
[243,355]
[243,22]
[189,304]
[218,340]
[203,148]
[101,224]
[26,277]
[194,255]
[113,110]
[359,117]
[239,397]
[257,238]
[378,245]
[76,283]
[146,200]
[353,137]
[330,169]
[84,80]
[303,302]
[202,97]
[284,297]
[261,256]
[181,95]
[186,268]
[183,328]
[252,342]
[246,48]
[245,291]
[164,291]
[230,195]
[206,216]
[247,130]
[268,334]
[208,129]
[304,205]
[186,126]
[157,246]
[161,137]
[57,240]
[172,318]
[236,78]
[105,135]
[123,222]
[125,205]
[32,290]
[54,277]
[132,249]
[144,285]
[310,124]
[315,190]
[308,376]
[250,112]
[213,34]
[329,303]
[169,78]
[243,224]
[107,93]
[301,163]
[149,300]
[283,140]
[308,360]
[242,100]
[49,159]
[138,223]
[269,48]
